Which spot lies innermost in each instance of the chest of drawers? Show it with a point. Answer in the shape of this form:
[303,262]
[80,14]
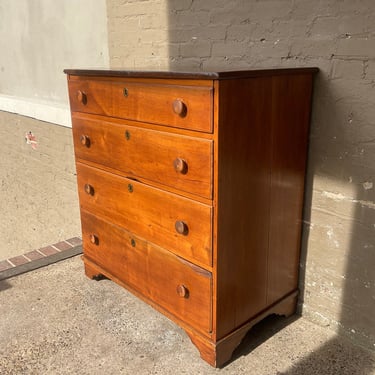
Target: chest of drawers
[191,191]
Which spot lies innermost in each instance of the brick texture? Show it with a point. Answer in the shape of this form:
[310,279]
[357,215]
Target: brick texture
[338,36]
[39,258]
[33,255]
[5,265]
[63,245]
[74,241]
[48,250]
[18,260]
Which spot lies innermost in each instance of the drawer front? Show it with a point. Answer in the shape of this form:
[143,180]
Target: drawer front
[90,97]
[187,107]
[178,224]
[177,286]
[181,162]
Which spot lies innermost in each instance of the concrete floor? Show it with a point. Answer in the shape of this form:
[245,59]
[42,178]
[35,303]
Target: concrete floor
[56,321]
[38,189]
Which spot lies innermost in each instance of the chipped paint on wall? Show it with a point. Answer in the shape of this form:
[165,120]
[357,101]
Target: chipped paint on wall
[341,197]
[367,185]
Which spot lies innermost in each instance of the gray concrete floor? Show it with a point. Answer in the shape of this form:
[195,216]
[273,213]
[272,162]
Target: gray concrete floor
[54,320]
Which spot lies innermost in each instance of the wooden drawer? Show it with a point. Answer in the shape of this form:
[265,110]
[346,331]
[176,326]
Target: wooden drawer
[155,103]
[187,107]
[91,96]
[181,162]
[176,285]
[153,214]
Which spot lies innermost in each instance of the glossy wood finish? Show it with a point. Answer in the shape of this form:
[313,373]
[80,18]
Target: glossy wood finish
[90,97]
[288,164]
[185,163]
[149,212]
[154,103]
[175,285]
[186,106]
[260,194]
[194,201]
[243,201]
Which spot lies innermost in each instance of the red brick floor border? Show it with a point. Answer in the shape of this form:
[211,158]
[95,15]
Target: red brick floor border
[39,254]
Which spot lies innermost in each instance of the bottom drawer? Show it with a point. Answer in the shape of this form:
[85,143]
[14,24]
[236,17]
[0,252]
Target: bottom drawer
[181,288]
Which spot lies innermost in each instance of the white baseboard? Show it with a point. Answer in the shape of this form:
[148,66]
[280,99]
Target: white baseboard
[55,113]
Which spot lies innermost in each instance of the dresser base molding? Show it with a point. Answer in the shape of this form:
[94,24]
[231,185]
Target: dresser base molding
[219,353]
[91,270]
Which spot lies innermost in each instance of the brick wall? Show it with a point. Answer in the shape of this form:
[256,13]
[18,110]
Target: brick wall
[338,36]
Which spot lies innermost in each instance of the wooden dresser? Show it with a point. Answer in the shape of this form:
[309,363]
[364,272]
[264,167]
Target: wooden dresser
[191,191]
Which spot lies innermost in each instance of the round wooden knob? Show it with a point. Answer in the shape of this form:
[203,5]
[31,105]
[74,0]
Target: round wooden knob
[181,227]
[82,97]
[85,140]
[89,189]
[179,107]
[94,239]
[182,291]
[180,165]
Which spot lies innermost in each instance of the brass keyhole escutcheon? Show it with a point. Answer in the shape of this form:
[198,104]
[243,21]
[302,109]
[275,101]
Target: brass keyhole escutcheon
[132,242]
[130,188]
[125,91]
[127,135]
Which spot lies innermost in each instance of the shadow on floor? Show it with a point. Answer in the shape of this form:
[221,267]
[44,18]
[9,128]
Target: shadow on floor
[4,285]
[335,357]
[338,356]
[261,332]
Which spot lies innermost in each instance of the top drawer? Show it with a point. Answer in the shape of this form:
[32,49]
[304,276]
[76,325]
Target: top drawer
[187,107]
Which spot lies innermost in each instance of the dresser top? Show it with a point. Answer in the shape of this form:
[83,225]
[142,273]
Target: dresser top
[188,75]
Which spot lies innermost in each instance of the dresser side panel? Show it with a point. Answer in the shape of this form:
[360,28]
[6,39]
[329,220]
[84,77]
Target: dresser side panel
[291,98]
[243,177]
